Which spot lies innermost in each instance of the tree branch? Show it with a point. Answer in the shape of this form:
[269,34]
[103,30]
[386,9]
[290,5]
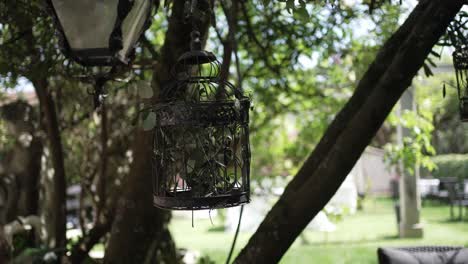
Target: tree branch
[80,250]
[101,184]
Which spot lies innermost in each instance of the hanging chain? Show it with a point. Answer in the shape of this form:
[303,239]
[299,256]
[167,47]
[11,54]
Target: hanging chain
[190,10]
[98,93]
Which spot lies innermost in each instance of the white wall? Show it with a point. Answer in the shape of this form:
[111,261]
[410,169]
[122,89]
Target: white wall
[371,174]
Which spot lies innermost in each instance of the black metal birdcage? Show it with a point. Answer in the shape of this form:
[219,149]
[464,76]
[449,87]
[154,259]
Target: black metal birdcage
[201,152]
[460,62]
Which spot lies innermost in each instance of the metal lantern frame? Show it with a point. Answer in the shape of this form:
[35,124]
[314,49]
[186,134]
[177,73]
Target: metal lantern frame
[460,63]
[201,151]
[102,56]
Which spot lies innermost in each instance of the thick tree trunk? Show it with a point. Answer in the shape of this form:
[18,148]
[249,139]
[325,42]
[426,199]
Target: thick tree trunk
[352,130]
[23,194]
[29,201]
[140,233]
[22,164]
[137,223]
[55,209]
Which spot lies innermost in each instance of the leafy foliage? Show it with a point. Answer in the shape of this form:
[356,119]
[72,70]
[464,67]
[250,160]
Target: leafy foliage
[457,32]
[301,72]
[451,165]
[449,134]
[416,148]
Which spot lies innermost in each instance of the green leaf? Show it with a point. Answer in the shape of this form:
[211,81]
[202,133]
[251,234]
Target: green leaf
[266,2]
[290,5]
[150,121]
[435,54]
[302,13]
[431,62]
[427,70]
[167,3]
[190,165]
[145,91]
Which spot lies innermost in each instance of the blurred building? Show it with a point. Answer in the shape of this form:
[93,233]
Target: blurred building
[372,175]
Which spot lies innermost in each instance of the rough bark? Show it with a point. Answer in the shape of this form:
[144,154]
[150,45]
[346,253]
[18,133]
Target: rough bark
[352,130]
[137,224]
[140,233]
[22,164]
[29,201]
[22,193]
[55,209]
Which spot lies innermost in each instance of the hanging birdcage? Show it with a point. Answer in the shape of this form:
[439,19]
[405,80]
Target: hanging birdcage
[460,63]
[201,152]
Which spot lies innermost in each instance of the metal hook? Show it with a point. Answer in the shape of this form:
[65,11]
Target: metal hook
[99,94]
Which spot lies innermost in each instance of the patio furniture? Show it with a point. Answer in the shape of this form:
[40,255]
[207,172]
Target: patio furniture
[446,184]
[435,189]
[429,188]
[423,254]
[458,197]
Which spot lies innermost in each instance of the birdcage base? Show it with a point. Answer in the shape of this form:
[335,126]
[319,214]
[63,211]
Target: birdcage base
[201,203]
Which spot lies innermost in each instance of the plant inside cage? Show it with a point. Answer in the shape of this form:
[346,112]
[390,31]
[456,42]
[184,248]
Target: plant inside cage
[201,153]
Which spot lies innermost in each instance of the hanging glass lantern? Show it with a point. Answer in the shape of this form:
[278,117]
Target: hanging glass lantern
[100,33]
[201,152]
[460,62]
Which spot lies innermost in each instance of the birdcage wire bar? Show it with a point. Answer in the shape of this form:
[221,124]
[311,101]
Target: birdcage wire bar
[201,151]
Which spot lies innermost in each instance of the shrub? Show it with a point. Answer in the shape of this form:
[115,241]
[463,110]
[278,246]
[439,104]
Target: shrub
[451,165]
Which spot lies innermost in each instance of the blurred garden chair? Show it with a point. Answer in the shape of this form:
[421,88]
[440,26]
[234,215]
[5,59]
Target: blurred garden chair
[445,185]
[458,197]
[423,254]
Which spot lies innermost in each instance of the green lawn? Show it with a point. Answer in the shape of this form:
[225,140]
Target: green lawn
[355,240]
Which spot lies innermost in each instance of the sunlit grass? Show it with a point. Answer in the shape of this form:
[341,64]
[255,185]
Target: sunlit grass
[355,241]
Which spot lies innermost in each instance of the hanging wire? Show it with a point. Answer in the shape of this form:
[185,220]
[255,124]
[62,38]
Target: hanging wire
[98,93]
[233,245]
[239,84]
